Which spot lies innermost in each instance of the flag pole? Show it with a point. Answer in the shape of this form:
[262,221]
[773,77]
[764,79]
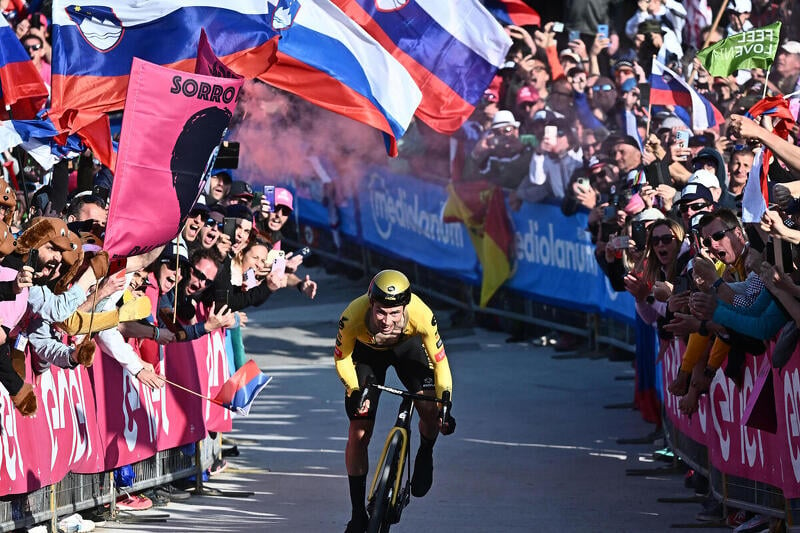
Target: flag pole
[649,114]
[715,24]
[177,271]
[190,391]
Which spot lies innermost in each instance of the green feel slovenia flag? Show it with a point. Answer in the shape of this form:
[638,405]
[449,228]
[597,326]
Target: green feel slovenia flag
[751,49]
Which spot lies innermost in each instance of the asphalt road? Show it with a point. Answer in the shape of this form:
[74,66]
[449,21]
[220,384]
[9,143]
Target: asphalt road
[535,449]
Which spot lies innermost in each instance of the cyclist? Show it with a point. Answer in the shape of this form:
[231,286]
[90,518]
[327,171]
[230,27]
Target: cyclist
[389,326]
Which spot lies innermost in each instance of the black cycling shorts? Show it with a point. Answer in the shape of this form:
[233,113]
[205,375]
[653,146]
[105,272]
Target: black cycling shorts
[410,362]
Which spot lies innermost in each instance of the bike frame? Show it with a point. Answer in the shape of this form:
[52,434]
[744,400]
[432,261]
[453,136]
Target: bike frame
[401,427]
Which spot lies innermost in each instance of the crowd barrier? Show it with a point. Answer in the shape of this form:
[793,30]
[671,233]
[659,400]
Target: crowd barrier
[92,421]
[399,217]
[396,221]
[749,468]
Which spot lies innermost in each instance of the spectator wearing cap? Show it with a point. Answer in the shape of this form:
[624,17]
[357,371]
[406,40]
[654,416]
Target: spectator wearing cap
[272,219]
[714,177]
[627,156]
[695,199]
[501,156]
[629,109]
[654,39]
[552,167]
[667,13]
[211,230]
[194,222]
[570,59]
[241,193]
[528,103]
[786,70]
[623,70]
[219,186]
[738,12]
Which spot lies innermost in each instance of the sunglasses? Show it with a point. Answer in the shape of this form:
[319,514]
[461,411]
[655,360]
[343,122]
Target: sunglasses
[602,88]
[663,239]
[33,47]
[202,278]
[685,208]
[717,236]
[210,223]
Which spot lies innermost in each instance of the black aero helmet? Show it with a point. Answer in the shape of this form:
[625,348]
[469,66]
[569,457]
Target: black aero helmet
[390,288]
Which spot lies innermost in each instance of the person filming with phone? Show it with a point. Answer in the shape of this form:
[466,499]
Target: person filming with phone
[501,156]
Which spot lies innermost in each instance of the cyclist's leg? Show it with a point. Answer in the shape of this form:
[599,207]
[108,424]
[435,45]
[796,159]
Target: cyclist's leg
[360,432]
[414,370]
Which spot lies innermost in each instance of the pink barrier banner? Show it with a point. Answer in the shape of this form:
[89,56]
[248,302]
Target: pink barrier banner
[61,437]
[103,418]
[136,421]
[735,448]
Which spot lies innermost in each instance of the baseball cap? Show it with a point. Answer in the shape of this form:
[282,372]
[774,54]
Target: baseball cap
[696,191]
[791,47]
[501,119]
[241,188]
[740,6]
[651,213]
[622,64]
[284,197]
[626,139]
[527,94]
[223,175]
[706,178]
[568,52]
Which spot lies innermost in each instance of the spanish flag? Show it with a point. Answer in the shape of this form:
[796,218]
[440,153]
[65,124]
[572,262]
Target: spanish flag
[481,207]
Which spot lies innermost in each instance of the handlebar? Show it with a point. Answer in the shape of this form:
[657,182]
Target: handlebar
[444,400]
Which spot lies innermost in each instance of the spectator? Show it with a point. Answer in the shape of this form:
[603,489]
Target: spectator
[738,12]
[786,70]
[501,156]
[219,186]
[35,46]
[551,169]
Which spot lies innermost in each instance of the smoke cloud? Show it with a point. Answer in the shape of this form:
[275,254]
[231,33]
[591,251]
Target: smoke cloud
[278,132]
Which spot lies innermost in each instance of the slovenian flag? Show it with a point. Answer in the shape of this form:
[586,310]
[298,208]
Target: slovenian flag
[238,393]
[452,49]
[329,60]
[37,137]
[514,12]
[668,88]
[21,84]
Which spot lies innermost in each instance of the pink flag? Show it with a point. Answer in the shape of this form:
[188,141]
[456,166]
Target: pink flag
[174,122]
[208,64]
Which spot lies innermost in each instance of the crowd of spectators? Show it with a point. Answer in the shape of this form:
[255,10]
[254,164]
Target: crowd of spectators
[567,121]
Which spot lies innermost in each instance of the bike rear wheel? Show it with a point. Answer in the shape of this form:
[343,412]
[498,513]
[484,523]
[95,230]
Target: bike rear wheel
[380,518]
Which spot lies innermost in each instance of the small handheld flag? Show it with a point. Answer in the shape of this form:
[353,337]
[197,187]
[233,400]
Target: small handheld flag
[238,393]
[755,48]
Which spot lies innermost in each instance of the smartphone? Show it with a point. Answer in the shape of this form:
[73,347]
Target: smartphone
[682,138]
[249,279]
[574,35]
[279,266]
[550,134]
[621,242]
[583,183]
[229,227]
[304,252]
[274,254]
[33,258]
[681,285]
[609,213]
[269,197]
[639,234]
[602,29]
[558,27]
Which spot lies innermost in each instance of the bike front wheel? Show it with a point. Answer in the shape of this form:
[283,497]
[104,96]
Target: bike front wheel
[380,518]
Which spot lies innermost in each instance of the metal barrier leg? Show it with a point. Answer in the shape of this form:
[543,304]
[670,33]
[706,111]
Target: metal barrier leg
[53,515]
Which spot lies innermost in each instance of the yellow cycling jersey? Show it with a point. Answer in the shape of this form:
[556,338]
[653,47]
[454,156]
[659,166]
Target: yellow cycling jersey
[419,320]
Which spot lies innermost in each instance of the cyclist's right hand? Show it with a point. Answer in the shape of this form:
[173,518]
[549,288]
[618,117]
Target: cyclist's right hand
[447,427]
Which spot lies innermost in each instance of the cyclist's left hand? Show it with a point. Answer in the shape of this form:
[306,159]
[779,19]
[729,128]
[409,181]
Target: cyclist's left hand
[448,426]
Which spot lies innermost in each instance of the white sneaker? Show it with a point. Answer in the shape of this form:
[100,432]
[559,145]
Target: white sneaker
[75,524]
[38,529]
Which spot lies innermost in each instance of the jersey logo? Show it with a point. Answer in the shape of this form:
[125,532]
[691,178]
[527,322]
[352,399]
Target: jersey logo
[440,355]
[338,341]
[439,343]
[433,321]
[337,353]
[341,322]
